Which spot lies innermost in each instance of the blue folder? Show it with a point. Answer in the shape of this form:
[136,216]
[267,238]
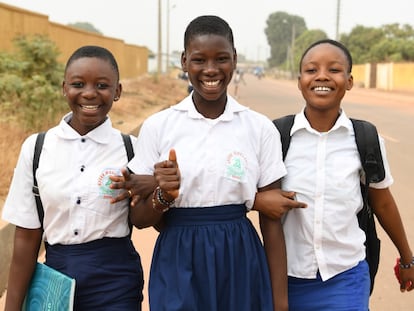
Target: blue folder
[49,290]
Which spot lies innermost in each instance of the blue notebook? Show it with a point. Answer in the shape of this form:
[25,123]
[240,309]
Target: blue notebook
[49,290]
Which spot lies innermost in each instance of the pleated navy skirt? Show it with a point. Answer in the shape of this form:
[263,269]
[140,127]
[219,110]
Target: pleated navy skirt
[108,273]
[209,259]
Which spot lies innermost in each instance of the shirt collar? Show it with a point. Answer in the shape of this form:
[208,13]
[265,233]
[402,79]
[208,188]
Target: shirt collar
[232,107]
[302,123]
[100,134]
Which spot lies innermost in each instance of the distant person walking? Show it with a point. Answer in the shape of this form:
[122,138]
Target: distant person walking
[237,79]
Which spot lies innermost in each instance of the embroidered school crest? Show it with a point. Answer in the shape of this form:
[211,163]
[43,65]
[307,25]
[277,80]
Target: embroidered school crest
[236,166]
[104,182]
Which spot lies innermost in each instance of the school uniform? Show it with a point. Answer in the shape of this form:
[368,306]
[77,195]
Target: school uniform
[86,236]
[210,257]
[325,245]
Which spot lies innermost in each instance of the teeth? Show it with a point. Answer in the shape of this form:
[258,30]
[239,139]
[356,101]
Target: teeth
[89,107]
[212,83]
[322,89]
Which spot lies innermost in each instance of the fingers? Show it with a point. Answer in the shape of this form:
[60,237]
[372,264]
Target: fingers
[406,286]
[292,202]
[173,158]
[118,181]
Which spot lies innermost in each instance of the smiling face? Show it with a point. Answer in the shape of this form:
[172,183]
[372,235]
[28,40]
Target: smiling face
[209,60]
[324,77]
[90,87]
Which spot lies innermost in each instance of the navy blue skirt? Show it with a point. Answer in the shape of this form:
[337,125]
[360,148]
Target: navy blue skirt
[108,273]
[347,291]
[209,259]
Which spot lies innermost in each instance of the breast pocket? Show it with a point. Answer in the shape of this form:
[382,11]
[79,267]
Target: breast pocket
[101,194]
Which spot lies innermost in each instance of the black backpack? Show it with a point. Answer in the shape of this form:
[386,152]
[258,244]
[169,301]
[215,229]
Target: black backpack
[36,156]
[366,138]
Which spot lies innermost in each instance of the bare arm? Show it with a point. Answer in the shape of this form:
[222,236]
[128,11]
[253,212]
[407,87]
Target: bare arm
[25,253]
[386,210]
[275,248]
[143,211]
[275,202]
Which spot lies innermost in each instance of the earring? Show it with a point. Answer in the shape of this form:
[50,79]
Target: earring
[64,94]
[116,98]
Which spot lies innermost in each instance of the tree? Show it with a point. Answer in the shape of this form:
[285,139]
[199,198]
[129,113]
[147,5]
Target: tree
[282,30]
[389,43]
[305,40]
[360,40]
[30,83]
[85,26]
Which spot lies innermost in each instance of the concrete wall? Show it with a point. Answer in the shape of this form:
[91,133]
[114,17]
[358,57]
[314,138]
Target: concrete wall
[385,76]
[132,59]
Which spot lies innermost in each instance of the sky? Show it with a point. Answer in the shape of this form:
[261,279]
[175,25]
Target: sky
[136,21]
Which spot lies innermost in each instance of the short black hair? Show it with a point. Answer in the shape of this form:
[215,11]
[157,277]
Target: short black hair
[208,25]
[94,51]
[332,42]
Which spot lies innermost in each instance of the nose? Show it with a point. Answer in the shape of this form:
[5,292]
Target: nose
[210,67]
[89,91]
[323,74]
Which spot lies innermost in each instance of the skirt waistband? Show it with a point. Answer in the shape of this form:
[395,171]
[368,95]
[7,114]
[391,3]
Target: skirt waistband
[96,244]
[205,215]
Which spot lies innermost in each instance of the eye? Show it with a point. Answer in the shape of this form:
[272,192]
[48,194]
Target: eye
[310,70]
[197,60]
[223,59]
[102,86]
[335,70]
[77,85]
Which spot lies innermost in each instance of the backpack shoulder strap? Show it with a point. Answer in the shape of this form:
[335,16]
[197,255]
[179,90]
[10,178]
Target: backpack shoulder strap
[284,125]
[130,155]
[366,137]
[36,156]
[128,146]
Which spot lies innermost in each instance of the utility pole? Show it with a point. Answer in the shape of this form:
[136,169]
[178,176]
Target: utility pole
[338,14]
[167,61]
[159,59]
[292,51]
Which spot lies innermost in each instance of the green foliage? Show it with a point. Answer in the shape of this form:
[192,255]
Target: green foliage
[305,40]
[281,31]
[30,83]
[85,26]
[389,43]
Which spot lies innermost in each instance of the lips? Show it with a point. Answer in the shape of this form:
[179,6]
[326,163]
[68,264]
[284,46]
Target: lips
[211,83]
[90,108]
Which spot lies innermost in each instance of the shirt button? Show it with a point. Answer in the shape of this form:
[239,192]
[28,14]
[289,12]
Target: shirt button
[75,232]
[78,201]
[82,168]
[83,140]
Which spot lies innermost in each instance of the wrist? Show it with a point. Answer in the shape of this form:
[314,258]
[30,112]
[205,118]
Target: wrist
[159,203]
[406,265]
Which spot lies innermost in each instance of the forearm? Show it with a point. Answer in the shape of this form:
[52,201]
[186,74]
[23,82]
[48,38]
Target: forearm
[144,215]
[24,258]
[274,244]
[389,217]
